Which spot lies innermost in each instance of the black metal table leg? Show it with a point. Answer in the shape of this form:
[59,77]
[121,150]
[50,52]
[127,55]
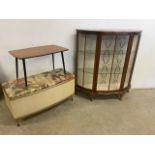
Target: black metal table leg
[53,61]
[16,60]
[24,68]
[63,62]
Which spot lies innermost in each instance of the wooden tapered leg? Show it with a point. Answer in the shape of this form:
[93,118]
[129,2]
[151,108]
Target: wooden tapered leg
[91,96]
[16,61]
[18,122]
[72,98]
[24,68]
[53,61]
[120,96]
[63,62]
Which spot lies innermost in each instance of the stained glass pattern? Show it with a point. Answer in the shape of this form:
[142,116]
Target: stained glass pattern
[113,52]
[106,54]
[118,61]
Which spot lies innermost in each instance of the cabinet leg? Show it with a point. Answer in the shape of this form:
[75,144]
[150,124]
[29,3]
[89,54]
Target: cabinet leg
[129,88]
[120,97]
[91,97]
[72,98]
[18,122]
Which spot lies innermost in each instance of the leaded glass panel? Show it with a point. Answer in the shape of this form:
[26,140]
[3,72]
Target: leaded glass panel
[118,61]
[106,55]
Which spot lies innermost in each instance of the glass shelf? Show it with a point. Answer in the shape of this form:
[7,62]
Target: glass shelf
[105,52]
[111,52]
[87,52]
[90,71]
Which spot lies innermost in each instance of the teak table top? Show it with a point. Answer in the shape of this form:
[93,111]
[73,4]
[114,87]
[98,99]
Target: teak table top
[37,51]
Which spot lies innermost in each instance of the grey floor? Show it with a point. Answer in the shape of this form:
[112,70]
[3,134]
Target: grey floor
[135,114]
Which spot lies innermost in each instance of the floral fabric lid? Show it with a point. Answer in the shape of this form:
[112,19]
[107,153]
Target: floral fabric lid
[15,89]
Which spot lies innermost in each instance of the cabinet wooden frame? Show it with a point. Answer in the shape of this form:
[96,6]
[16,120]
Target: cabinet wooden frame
[99,34]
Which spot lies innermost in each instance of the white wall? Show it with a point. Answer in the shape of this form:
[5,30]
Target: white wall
[16,34]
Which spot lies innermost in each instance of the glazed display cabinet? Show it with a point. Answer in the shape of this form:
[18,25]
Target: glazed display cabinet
[105,61]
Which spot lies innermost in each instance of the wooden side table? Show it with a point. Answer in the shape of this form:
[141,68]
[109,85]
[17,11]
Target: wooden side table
[23,54]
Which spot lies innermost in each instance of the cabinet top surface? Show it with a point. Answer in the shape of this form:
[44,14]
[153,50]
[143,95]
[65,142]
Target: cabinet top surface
[37,51]
[109,31]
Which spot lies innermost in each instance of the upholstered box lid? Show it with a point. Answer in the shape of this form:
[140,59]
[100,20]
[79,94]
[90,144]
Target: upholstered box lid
[15,89]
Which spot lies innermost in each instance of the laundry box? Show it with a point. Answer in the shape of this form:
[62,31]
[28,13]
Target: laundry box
[44,90]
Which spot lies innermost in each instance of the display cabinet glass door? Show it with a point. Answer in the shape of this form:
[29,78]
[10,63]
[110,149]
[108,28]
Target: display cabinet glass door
[131,60]
[106,54]
[111,63]
[86,57]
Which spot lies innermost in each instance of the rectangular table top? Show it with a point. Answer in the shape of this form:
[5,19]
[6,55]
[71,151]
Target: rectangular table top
[37,51]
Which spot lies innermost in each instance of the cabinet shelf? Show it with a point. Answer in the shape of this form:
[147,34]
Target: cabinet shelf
[106,52]
[90,71]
